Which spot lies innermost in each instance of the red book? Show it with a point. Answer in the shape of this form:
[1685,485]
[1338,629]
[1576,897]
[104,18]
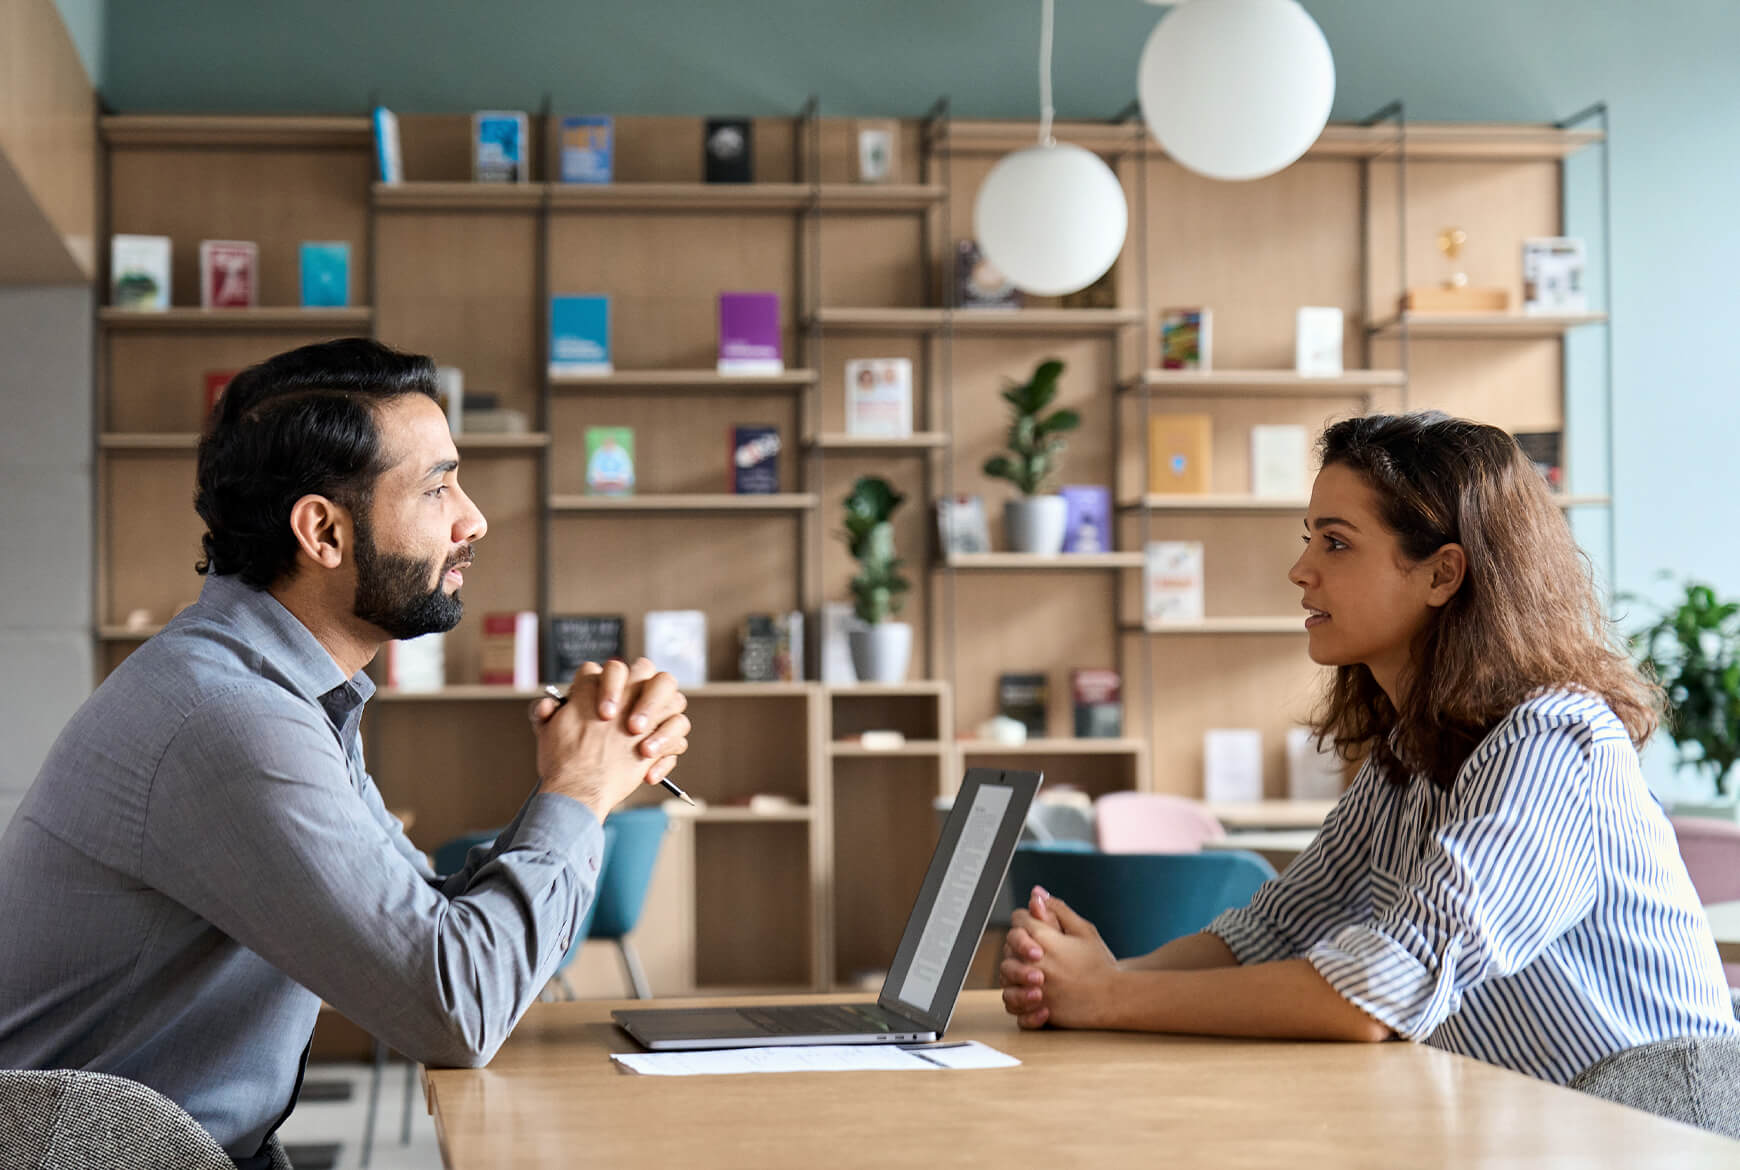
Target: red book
[228,274]
[508,651]
[215,381]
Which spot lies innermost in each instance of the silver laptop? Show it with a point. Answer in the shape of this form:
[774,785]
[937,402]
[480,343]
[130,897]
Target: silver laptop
[968,868]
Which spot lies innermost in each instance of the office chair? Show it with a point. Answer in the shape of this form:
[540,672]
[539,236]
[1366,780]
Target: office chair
[1696,1081]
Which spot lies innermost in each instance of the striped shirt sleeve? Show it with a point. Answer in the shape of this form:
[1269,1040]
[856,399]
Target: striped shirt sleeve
[1325,887]
[1510,870]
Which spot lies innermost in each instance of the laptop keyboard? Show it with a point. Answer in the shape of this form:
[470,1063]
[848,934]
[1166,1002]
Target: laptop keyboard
[803,1020]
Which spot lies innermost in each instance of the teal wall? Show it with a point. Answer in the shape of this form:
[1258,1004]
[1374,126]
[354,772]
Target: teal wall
[1670,72]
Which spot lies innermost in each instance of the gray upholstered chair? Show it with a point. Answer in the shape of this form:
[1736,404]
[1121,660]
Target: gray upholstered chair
[69,1120]
[1696,1081]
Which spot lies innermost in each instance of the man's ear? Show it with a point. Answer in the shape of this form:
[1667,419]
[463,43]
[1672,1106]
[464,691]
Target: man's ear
[1448,566]
[323,530]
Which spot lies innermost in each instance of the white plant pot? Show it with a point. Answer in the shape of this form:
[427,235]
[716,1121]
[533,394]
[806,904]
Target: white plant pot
[880,652]
[1034,524]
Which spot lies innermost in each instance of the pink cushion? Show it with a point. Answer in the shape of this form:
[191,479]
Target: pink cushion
[1149,822]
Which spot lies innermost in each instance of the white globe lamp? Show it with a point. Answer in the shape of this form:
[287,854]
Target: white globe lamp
[1052,218]
[1236,89]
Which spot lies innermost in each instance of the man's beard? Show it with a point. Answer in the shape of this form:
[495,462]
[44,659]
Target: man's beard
[393,592]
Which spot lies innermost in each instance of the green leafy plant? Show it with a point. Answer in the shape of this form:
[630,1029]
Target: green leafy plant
[1694,651]
[1035,438]
[878,589]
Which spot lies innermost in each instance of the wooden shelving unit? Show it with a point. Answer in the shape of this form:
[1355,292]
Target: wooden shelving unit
[918,441]
[1484,326]
[781,502]
[682,382]
[1265,383]
[265,318]
[976,321]
[1031,563]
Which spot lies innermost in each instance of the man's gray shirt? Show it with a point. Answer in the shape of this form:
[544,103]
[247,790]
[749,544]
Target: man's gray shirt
[204,858]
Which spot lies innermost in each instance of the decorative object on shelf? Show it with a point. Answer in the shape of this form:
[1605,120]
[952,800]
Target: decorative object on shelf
[417,665]
[576,639]
[1033,522]
[1024,697]
[588,149]
[877,153]
[450,395]
[1052,217]
[1232,765]
[1693,652]
[1553,269]
[139,271]
[499,139]
[771,647]
[880,648]
[961,526]
[325,273]
[1003,731]
[229,274]
[215,382]
[980,284]
[837,623]
[1545,449]
[1101,294]
[1087,518]
[507,651]
[610,461]
[755,460]
[729,147]
[676,641]
[1280,461]
[1454,295]
[879,398]
[1099,704]
[1236,89]
[880,740]
[389,163]
[1317,337]
[749,334]
[579,335]
[1180,454]
[483,414]
[1313,772]
[138,621]
[1172,580]
[1187,339]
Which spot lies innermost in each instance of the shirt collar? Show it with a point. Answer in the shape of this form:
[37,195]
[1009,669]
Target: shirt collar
[283,641]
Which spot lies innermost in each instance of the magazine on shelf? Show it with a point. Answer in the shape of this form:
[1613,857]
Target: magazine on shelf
[1186,339]
[728,149]
[1232,765]
[1180,450]
[749,334]
[676,641]
[1280,461]
[879,398]
[499,141]
[1098,702]
[1087,523]
[1553,275]
[588,149]
[610,461]
[1023,697]
[755,460]
[325,273]
[1317,338]
[139,273]
[417,665]
[508,650]
[579,335]
[229,274]
[961,526]
[576,639]
[1172,582]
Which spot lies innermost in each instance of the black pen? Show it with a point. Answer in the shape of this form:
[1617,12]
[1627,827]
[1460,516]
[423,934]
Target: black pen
[664,783]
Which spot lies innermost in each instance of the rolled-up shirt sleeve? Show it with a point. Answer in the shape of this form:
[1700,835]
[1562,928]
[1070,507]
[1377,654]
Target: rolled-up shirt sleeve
[300,867]
[1510,871]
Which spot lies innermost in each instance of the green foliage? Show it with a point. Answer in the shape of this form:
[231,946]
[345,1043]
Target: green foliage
[1035,439]
[878,589]
[1694,651]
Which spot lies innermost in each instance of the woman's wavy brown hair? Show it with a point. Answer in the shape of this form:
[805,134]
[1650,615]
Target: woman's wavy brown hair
[1526,619]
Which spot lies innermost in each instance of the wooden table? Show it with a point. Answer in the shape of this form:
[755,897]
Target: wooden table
[1725,922]
[552,1097]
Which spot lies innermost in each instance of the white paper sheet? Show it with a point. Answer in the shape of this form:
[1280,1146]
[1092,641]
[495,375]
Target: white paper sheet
[813,1058]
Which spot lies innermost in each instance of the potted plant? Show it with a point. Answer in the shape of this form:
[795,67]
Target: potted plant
[1033,521]
[880,647]
[1693,649]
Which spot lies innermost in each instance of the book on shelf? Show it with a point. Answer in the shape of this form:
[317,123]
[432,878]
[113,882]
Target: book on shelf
[229,274]
[1186,339]
[1280,461]
[483,414]
[1545,449]
[579,335]
[1172,582]
[325,273]
[450,396]
[878,157]
[499,142]
[838,620]
[1180,453]
[879,398]
[980,284]
[961,527]
[1553,271]
[389,162]
[417,665]
[508,650]
[755,460]
[139,273]
[1097,695]
[771,647]
[1313,772]
[588,149]
[728,150]
[1023,697]
[1317,337]
[215,383]
[1087,518]
[1232,765]
[610,461]
[676,641]
[749,334]
[576,639]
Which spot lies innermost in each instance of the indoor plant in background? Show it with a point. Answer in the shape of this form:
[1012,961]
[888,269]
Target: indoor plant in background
[1693,649]
[880,647]
[1033,521]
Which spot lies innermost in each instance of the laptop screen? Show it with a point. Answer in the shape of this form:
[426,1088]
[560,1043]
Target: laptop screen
[948,918]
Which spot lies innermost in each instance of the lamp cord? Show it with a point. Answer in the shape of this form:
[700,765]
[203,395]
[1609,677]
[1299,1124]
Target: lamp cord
[1045,138]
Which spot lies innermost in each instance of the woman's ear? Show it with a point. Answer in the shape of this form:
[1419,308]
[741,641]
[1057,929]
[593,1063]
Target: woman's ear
[1449,565]
[322,530]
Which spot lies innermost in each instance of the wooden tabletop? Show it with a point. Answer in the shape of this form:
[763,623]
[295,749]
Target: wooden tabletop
[1725,922]
[552,1097]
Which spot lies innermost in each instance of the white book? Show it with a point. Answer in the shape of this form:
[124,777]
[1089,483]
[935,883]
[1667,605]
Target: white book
[676,641]
[1172,579]
[1317,342]
[417,665]
[450,393]
[879,398]
[794,640]
[1232,765]
[1280,461]
[389,164]
[1313,773]
[1553,270]
[837,621]
[139,273]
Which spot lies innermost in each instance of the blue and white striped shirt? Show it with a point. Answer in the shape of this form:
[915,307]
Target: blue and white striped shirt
[1535,915]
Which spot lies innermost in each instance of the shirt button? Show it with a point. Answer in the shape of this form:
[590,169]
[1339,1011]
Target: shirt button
[566,939]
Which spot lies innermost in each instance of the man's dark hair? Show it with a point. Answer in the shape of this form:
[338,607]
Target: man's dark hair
[302,423]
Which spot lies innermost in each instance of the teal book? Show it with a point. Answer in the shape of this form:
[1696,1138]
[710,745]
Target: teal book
[325,274]
[579,335]
[587,149]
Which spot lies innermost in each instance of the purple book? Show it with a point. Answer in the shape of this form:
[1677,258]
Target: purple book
[749,334]
[1087,525]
